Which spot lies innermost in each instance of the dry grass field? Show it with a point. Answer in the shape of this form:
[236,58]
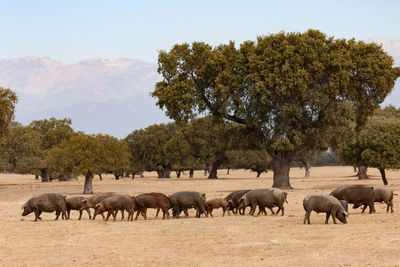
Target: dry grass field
[367,240]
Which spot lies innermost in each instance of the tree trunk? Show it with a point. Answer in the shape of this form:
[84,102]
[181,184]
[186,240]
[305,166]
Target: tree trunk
[191,173]
[43,174]
[160,174]
[36,177]
[205,171]
[141,175]
[127,174]
[354,168]
[63,177]
[88,188]
[362,172]
[307,167]
[101,178]
[178,174]
[383,174]
[258,173]
[117,176]
[282,161]
[133,175]
[167,172]
[213,171]
[229,168]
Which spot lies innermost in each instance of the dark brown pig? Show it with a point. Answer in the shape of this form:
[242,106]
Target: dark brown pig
[75,203]
[357,195]
[233,200]
[324,203]
[268,197]
[92,201]
[116,203]
[186,200]
[152,201]
[381,194]
[49,202]
[217,203]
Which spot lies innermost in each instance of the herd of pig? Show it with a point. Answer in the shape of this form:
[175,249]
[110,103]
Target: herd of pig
[335,205]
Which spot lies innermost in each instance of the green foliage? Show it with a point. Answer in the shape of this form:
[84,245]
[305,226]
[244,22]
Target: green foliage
[115,155]
[79,155]
[180,153]
[380,143]
[21,151]
[377,144]
[87,155]
[147,147]
[52,131]
[256,160]
[294,91]
[326,158]
[8,100]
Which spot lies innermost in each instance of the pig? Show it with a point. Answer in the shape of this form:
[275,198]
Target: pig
[46,203]
[324,203]
[186,200]
[152,200]
[114,203]
[268,197]
[357,195]
[75,203]
[217,203]
[345,205]
[234,199]
[381,194]
[91,202]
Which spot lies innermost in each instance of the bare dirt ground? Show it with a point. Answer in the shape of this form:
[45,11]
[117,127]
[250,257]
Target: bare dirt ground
[367,240]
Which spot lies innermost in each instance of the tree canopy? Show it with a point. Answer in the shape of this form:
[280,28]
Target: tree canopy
[293,91]
[147,148]
[8,100]
[377,144]
[21,152]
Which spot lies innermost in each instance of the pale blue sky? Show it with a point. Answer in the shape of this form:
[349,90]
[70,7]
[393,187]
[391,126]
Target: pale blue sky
[71,31]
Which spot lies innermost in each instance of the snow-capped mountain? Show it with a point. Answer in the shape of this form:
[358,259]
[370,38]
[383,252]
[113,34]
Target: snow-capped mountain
[99,95]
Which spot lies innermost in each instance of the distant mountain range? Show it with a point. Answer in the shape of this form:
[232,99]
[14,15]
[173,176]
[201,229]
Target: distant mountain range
[101,95]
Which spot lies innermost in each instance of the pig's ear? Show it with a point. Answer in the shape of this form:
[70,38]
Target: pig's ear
[203,195]
[84,200]
[98,205]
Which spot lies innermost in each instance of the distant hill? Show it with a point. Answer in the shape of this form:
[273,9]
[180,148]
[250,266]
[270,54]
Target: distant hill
[99,95]
[102,95]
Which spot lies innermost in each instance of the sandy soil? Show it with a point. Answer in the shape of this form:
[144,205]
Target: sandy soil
[220,241]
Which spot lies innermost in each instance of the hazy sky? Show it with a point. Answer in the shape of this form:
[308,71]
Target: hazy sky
[74,30]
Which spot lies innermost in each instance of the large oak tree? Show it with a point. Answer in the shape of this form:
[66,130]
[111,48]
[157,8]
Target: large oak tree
[291,90]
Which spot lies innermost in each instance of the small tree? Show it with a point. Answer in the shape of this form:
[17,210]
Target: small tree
[80,155]
[377,144]
[258,161]
[147,148]
[180,153]
[21,151]
[115,155]
[52,132]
